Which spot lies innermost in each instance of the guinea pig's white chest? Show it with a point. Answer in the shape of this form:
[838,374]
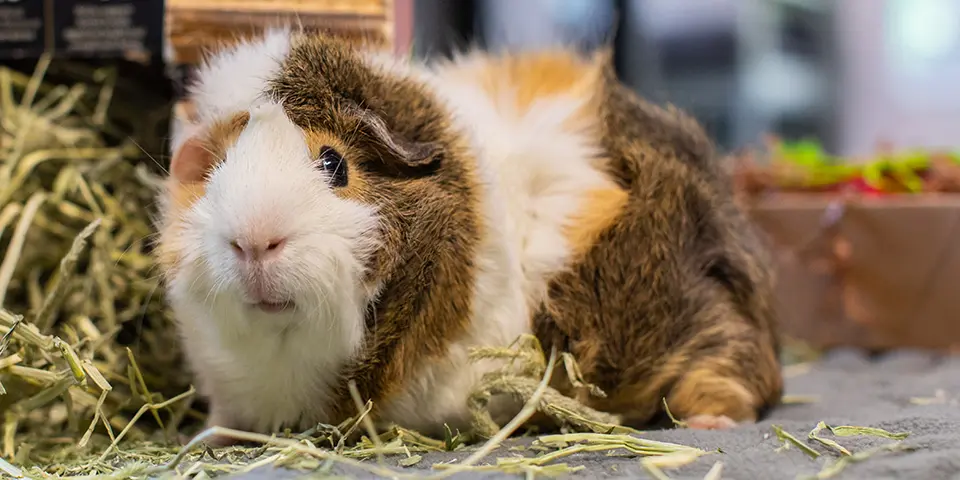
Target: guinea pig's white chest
[266,374]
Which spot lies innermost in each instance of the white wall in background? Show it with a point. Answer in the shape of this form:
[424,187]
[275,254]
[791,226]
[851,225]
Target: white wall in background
[901,73]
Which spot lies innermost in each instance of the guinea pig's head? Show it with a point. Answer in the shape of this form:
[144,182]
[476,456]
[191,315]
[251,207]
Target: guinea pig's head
[310,200]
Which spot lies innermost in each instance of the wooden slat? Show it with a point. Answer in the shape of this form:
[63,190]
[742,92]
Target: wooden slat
[195,26]
[357,7]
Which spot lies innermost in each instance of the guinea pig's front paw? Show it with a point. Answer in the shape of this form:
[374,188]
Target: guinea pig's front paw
[710,422]
[219,441]
[213,441]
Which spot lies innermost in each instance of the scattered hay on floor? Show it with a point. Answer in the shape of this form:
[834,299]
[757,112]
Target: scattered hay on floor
[845,458]
[91,383]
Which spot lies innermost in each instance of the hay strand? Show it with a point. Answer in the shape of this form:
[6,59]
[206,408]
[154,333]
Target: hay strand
[789,439]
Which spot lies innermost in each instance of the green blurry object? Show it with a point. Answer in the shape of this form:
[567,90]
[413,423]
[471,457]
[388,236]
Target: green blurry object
[807,153]
[889,173]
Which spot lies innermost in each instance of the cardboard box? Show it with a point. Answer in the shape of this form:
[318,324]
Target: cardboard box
[131,29]
[876,273]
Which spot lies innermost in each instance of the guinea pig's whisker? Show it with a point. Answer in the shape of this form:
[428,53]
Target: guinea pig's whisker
[148,155]
[146,305]
[356,129]
[193,284]
[212,291]
[124,252]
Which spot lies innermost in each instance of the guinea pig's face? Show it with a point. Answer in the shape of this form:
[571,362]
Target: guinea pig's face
[272,228]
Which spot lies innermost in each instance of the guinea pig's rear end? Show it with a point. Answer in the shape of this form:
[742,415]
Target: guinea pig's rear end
[674,300]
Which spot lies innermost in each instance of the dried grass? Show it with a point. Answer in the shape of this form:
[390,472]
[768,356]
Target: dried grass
[77,285]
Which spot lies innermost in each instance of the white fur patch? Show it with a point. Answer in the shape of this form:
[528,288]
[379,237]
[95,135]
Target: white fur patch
[266,371]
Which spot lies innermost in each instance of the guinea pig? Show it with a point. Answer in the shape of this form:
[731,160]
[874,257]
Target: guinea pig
[340,215]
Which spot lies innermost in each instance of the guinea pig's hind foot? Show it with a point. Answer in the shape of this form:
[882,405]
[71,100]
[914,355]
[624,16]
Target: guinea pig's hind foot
[709,422]
[705,400]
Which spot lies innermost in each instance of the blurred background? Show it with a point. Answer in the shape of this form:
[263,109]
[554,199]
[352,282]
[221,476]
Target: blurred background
[848,73]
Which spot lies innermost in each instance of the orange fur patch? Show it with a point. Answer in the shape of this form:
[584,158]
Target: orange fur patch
[180,197]
[224,133]
[215,140]
[549,74]
[184,195]
[599,209]
[530,76]
[317,139]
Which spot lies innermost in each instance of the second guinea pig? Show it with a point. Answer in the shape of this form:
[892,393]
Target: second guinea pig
[338,214]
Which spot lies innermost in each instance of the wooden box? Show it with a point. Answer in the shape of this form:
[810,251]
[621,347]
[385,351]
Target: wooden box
[876,273]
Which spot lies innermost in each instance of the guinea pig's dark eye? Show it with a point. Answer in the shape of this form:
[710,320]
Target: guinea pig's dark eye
[332,162]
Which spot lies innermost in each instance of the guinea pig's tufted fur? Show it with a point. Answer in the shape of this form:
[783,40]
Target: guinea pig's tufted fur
[485,196]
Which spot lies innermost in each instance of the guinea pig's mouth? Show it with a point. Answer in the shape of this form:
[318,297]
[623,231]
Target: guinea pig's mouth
[274,307]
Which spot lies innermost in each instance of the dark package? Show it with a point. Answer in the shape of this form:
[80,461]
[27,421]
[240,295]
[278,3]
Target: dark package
[93,42]
[131,29]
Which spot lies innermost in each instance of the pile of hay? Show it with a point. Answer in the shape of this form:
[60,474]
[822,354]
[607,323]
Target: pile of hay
[87,340]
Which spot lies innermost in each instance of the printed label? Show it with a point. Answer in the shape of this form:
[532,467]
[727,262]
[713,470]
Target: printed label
[108,27]
[21,28]
[81,28]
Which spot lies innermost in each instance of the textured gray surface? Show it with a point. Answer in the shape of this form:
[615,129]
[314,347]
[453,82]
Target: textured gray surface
[853,390]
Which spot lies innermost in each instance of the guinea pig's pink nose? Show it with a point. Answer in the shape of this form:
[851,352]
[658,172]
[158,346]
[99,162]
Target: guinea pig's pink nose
[257,250]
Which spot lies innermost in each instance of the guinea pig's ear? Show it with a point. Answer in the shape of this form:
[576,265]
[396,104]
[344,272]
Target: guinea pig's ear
[192,161]
[411,154]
